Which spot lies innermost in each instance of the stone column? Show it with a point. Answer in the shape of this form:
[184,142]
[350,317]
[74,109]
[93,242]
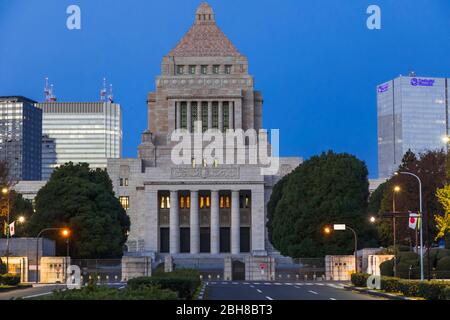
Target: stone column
[221,115]
[178,114]
[195,223]
[231,114]
[209,114]
[189,114]
[215,223]
[199,111]
[174,223]
[235,223]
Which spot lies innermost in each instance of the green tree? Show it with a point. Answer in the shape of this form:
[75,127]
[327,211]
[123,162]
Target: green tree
[326,189]
[83,200]
[443,220]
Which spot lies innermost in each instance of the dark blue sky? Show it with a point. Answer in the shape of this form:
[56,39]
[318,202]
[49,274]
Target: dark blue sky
[316,62]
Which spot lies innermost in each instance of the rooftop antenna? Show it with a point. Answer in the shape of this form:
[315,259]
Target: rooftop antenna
[103,91]
[111,96]
[412,74]
[52,95]
[47,89]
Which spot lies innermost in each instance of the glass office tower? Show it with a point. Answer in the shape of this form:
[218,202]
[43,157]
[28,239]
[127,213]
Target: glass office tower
[20,137]
[412,114]
[77,132]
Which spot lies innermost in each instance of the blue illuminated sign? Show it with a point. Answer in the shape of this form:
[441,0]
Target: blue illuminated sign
[422,82]
[383,88]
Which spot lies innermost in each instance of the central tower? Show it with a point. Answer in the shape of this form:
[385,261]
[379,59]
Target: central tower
[204,78]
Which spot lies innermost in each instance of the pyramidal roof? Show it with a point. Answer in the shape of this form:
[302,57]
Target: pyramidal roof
[204,39]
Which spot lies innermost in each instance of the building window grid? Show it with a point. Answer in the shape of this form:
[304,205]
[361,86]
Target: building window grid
[215,115]
[226,114]
[183,115]
[194,114]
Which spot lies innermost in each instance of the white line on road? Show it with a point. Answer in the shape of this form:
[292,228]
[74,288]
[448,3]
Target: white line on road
[259,290]
[313,292]
[246,283]
[235,283]
[269,298]
[38,295]
[332,299]
[252,286]
[297,287]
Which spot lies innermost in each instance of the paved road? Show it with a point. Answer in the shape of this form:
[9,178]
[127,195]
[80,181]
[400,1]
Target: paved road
[29,292]
[281,291]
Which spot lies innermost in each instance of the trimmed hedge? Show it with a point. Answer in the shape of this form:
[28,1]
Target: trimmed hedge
[9,279]
[430,290]
[93,292]
[184,282]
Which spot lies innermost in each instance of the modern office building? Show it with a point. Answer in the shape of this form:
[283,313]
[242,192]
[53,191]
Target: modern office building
[20,137]
[206,212]
[412,114]
[77,132]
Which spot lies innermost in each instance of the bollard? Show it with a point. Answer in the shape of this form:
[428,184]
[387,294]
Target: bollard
[306,277]
[209,277]
[218,276]
[296,276]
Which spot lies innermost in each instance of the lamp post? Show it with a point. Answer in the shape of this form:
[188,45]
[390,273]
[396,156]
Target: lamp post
[343,227]
[395,190]
[5,192]
[65,233]
[420,217]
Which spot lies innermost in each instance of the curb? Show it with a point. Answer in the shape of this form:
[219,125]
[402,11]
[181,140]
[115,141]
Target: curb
[201,294]
[377,293]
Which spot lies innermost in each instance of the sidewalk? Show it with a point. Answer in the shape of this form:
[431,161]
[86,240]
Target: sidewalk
[377,293]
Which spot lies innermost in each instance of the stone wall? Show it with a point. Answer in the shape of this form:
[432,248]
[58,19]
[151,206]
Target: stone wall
[134,267]
[339,268]
[53,269]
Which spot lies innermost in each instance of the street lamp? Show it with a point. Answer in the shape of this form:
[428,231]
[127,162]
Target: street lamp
[5,192]
[420,217]
[396,189]
[65,232]
[21,219]
[372,219]
[343,227]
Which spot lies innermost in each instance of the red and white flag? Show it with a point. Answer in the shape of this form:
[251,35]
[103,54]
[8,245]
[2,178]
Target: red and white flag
[413,217]
[12,229]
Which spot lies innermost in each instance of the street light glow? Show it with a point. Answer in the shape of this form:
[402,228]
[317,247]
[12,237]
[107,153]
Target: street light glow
[65,232]
[5,190]
[446,139]
[397,189]
[327,230]
[372,219]
[21,219]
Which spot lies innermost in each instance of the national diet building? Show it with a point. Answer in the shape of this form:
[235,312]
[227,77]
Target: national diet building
[204,212]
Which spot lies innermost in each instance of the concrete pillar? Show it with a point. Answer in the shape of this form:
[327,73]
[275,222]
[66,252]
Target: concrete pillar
[195,223]
[174,223]
[178,115]
[215,223]
[199,111]
[221,115]
[209,114]
[231,114]
[235,223]
[189,115]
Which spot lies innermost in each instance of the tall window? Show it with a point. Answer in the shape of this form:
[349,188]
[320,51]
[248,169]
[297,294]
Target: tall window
[125,202]
[221,202]
[182,202]
[227,202]
[192,69]
[215,115]
[204,116]
[183,115]
[204,69]
[180,69]
[165,202]
[194,114]
[216,68]
[226,116]
[228,69]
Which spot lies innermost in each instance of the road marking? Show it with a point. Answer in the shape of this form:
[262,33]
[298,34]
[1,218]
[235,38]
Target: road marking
[320,284]
[246,283]
[267,284]
[269,298]
[38,295]
[332,299]
[309,284]
[252,286]
[289,284]
[224,283]
[259,290]
[313,292]
[297,287]
[213,283]
[235,283]
[278,284]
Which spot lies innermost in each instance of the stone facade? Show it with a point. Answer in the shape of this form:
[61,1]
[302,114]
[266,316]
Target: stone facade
[198,210]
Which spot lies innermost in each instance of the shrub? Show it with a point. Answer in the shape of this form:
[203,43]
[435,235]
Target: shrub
[104,293]
[359,279]
[9,279]
[409,288]
[2,267]
[408,257]
[441,253]
[184,282]
[390,284]
[432,290]
[387,268]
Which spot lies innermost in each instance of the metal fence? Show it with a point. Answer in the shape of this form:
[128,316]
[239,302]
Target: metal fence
[101,270]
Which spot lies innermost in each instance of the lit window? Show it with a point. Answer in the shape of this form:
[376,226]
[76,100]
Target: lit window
[228,69]
[193,162]
[182,202]
[208,202]
[205,164]
[227,201]
[125,202]
[204,69]
[216,163]
[168,202]
[247,201]
[216,69]
[192,69]
[188,202]
[180,69]
[126,182]
[163,202]
[221,202]
[202,202]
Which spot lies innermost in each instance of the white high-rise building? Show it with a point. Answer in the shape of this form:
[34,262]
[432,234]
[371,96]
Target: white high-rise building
[412,114]
[89,132]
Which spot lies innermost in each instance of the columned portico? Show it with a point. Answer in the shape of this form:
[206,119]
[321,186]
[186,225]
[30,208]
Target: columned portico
[235,223]
[215,223]
[174,223]
[195,223]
